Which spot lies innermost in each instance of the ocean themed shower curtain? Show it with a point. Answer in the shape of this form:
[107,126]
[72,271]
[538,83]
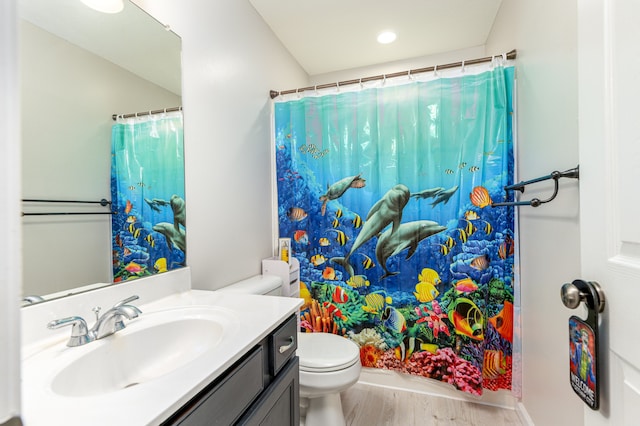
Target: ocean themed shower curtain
[147,192]
[386,194]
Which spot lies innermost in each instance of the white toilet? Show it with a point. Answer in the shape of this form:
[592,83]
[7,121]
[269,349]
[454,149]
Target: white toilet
[329,364]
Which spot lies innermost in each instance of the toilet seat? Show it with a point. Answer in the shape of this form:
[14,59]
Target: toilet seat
[324,352]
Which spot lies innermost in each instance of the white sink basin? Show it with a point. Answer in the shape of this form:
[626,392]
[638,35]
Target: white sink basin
[173,350]
[150,347]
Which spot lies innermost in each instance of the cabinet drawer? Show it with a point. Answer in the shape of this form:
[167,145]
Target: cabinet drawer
[225,402]
[283,344]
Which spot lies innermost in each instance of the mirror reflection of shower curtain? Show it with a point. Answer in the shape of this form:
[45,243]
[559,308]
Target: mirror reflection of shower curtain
[148,195]
[386,195]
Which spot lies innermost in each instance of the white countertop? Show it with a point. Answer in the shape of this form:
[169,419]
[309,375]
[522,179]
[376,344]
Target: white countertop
[251,319]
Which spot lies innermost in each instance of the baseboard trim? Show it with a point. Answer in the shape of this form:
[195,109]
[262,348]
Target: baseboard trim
[523,414]
[394,380]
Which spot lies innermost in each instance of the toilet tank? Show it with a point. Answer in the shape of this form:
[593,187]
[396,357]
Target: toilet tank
[268,285]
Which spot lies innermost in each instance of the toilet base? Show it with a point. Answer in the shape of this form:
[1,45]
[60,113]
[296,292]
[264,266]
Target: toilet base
[323,410]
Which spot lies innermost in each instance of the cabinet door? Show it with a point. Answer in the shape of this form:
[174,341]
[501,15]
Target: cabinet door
[279,405]
[224,401]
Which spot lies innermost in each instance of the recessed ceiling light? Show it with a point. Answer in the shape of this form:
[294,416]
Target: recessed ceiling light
[105,6]
[386,37]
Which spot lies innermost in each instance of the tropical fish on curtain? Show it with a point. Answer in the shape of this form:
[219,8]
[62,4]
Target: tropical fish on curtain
[387,196]
[147,189]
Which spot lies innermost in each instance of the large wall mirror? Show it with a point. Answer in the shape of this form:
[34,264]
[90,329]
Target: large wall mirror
[79,67]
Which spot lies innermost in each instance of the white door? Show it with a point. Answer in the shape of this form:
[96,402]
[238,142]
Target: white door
[609,129]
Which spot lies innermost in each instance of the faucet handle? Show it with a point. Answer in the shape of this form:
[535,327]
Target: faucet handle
[127,300]
[79,331]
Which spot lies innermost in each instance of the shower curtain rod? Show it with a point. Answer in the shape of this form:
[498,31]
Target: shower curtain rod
[143,113]
[509,55]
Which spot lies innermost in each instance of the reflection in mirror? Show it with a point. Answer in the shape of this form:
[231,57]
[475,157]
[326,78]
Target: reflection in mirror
[78,67]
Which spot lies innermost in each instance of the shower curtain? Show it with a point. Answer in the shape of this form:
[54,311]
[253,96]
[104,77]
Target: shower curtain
[386,193]
[147,192]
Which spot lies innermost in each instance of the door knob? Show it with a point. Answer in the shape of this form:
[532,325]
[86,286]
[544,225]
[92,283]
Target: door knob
[578,291]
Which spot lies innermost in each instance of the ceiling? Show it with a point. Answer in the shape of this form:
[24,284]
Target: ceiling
[333,35]
[131,39]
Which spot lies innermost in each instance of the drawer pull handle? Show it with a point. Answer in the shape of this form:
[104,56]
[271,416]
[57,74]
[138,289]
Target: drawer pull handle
[285,348]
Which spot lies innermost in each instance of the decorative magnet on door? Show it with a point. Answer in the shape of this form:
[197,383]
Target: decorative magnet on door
[583,339]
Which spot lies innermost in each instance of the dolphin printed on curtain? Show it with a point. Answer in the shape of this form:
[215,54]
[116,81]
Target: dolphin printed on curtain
[386,194]
[147,190]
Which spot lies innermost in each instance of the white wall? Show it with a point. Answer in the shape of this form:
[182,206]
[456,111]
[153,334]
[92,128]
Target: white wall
[68,95]
[9,219]
[231,60]
[545,34]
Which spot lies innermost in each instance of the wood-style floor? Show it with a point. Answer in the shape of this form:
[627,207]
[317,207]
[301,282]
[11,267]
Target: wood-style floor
[365,405]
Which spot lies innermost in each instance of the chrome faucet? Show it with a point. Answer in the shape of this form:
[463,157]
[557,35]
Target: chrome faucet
[32,299]
[111,321]
[107,324]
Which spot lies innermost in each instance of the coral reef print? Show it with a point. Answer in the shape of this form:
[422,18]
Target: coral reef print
[387,195]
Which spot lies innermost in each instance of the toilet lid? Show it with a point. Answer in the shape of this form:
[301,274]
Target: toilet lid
[326,352]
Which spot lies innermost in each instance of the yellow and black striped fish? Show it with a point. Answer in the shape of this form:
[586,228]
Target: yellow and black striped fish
[335,223]
[462,235]
[339,213]
[488,229]
[367,263]
[357,221]
[470,229]
[444,249]
[449,242]
[341,238]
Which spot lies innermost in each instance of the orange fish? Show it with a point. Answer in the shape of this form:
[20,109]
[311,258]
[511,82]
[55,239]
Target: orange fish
[339,295]
[301,237]
[480,263]
[329,273]
[134,268]
[506,248]
[503,321]
[467,319]
[118,240]
[296,214]
[480,197]
[334,310]
[465,286]
[128,207]
[494,364]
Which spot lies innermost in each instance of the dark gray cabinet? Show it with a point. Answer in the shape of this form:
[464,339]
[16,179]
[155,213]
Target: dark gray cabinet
[260,389]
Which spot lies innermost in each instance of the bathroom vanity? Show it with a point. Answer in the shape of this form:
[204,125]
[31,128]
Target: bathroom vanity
[192,357]
[260,389]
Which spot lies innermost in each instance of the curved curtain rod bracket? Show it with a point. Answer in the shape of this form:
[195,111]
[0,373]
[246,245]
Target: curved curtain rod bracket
[536,202]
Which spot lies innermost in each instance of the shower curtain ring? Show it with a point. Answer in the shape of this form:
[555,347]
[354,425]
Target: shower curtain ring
[462,66]
[435,70]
